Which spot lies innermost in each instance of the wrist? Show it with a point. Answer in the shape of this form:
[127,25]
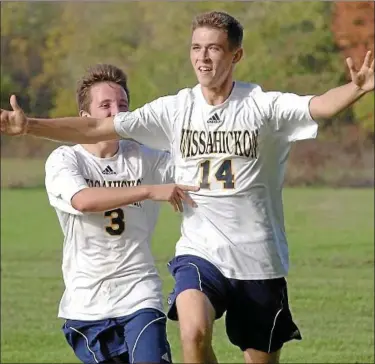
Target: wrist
[357,89]
[27,126]
[147,192]
[30,123]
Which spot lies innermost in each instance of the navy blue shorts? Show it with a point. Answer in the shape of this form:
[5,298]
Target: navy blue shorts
[140,338]
[257,311]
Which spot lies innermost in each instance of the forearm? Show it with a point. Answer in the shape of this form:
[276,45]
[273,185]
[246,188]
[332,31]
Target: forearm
[73,129]
[97,199]
[334,101]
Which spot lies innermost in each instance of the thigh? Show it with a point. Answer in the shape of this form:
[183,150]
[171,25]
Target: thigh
[95,341]
[146,337]
[201,284]
[259,317]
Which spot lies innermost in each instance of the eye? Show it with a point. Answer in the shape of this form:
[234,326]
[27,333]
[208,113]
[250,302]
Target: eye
[195,48]
[104,106]
[214,48]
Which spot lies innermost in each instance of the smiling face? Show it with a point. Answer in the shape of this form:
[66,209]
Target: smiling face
[103,92]
[107,99]
[212,56]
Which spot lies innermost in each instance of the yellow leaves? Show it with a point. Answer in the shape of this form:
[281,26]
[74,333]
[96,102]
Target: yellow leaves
[65,103]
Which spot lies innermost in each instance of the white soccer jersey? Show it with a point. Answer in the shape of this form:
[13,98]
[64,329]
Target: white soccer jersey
[108,267]
[236,152]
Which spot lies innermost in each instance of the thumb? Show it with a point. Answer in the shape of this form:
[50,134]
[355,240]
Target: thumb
[14,103]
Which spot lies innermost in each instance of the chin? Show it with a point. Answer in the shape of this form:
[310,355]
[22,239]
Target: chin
[204,82]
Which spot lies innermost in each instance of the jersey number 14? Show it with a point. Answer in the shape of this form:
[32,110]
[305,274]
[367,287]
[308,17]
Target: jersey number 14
[223,174]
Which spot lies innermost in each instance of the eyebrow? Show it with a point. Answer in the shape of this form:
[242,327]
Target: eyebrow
[109,100]
[208,45]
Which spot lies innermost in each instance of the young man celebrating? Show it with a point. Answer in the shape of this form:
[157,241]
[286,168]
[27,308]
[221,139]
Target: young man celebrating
[232,139]
[104,195]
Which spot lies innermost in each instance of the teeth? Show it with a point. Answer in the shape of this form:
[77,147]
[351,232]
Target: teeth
[204,69]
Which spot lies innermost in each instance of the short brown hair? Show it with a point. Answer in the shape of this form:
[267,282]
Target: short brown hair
[95,74]
[222,21]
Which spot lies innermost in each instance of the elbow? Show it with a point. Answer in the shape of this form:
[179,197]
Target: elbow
[82,203]
[319,110]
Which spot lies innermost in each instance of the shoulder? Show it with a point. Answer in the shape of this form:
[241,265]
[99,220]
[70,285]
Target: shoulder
[250,90]
[253,95]
[62,154]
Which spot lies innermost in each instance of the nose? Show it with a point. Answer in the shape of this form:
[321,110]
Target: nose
[203,54]
[115,109]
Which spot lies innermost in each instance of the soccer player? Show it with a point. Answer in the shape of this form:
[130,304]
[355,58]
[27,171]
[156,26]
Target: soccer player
[232,139]
[104,195]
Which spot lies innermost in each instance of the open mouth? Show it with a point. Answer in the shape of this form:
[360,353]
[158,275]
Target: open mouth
[204,69]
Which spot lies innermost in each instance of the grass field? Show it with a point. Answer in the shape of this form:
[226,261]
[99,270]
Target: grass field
[331,283]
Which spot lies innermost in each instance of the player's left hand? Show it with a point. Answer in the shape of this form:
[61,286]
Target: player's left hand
[364,78]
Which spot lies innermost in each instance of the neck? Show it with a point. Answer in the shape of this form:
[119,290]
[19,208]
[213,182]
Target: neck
[217,95]
[103,149]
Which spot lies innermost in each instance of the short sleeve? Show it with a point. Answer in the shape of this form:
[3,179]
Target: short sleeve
[289,115]
[63,179]
[150,124]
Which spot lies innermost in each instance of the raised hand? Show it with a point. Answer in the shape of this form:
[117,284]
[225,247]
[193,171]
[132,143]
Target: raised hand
[364,78]
[13,122]
[174,194]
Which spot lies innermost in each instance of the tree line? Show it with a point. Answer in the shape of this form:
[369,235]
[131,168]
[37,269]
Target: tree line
[46,46]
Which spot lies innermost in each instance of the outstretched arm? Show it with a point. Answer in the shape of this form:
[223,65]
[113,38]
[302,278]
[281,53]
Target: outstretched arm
[338,99]
[73,129]
[70,129]
[149,125]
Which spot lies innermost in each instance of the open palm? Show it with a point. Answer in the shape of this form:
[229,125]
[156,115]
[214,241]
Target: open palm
[364,78]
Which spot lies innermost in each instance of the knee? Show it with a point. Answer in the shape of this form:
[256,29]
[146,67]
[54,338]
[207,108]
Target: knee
[196,335]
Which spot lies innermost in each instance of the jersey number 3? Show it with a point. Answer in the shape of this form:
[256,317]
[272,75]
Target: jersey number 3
[117,226]
[223,174]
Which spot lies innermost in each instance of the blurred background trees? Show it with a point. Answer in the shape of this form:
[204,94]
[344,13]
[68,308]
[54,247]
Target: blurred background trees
[289,46]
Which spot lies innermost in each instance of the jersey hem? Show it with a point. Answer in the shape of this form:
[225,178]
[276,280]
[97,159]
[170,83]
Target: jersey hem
[111,315]
[242,277]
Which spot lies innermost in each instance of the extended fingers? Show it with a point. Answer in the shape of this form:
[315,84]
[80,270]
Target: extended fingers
[367,60]
[185,197]
[172,201]
[179,204]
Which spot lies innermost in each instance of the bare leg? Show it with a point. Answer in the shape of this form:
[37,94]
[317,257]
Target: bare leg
[259,357]
[196,316]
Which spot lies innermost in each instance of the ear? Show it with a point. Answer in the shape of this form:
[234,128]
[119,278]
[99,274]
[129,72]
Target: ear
[84,114]
[237,55]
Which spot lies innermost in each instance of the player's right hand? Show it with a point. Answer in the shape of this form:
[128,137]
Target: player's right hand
[174,194]
[13,122]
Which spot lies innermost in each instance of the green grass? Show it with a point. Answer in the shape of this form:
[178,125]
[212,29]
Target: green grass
[21,173]
[331,283]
